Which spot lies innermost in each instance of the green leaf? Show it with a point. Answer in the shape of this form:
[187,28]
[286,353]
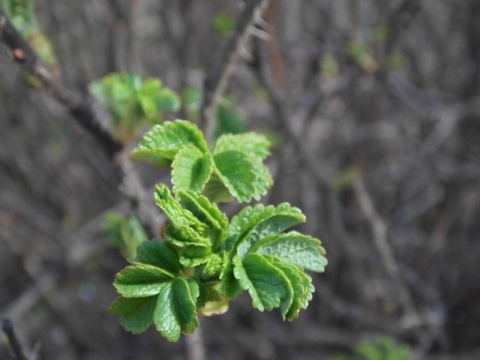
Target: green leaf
[301,286]
[216,191]
[237,172]
[167,100]
[164,141]
[191,169]
[294,248]
[125,233]
[266,284]
[159,254]
[264,180]
[176,310]
[194,255]
[208,213]
[255,223]
[229,120]
[183,225]
[136,314]
[253,144]
[229,284]
[141,280]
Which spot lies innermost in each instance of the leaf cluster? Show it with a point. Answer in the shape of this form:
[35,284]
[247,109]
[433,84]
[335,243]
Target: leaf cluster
[205,260]
[134,103]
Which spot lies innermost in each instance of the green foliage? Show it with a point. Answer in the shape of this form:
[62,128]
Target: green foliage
[234,168]
[22,15]
[134,103]
[124,233]
[205,260]
[385,349]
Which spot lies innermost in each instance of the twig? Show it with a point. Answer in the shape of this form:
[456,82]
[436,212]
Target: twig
[195,345]
[7,327]
[216,81]
[80,109]
[379,229]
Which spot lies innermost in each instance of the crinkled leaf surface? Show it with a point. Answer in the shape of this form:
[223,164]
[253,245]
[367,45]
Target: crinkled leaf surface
[266,284]
[237,172]
[184,226]
[165,140]
[141,280]
[208,213]
[135,314]
[191,169]
[176,310]
[255,223]
[294,248]
[159,254]
[255,145]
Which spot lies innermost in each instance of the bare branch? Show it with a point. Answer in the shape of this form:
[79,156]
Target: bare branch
[216,81]
[80,108]
[7,327]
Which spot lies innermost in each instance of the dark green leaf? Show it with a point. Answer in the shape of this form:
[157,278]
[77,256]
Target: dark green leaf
[141,280]
[159,254]
[136,314]
[266,284]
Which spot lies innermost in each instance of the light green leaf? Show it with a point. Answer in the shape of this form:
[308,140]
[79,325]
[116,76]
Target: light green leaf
[176,310]
[193,255]
[165,140]
[255,145]
[266,284]
[301,285]
[294,248]
[141,280]
[216,191]
[255,223]
[135,314]
[159,254]
[208,213]
[264,180]
[183,225]
[191,169]
[237,172]
[168,100]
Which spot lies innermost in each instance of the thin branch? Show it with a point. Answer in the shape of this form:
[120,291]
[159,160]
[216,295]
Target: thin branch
[79,108]
[379,230]
[16,348]
[216,81]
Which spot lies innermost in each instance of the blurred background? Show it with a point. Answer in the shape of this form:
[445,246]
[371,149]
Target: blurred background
[375,108]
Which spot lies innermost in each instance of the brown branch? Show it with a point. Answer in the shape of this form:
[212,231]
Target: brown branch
[15,347]
[79,107]
[216,81]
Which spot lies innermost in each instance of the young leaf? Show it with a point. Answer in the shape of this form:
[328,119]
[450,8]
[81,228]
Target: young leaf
[237,172]
[176,310]
[191,169]
[208,213]
[255,145]
[255,223]
[229,284]
[186,227]
[159,254]
[136,314]
[294,248]
[267,285]
[216,191]
[164,141]
[141,280]
[301,285]
[194,255]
